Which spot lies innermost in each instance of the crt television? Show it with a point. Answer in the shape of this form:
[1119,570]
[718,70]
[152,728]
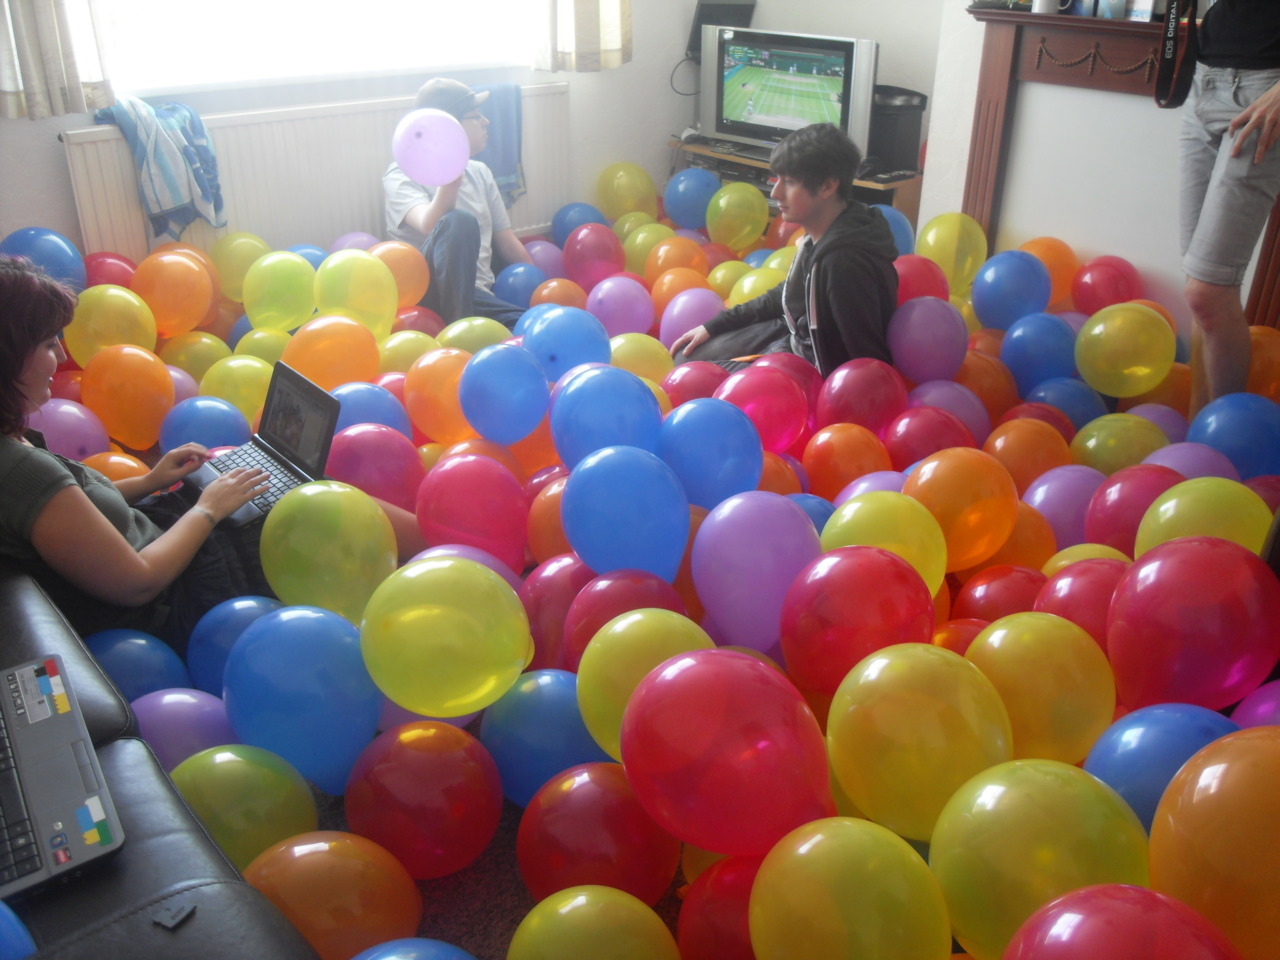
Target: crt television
[757,86]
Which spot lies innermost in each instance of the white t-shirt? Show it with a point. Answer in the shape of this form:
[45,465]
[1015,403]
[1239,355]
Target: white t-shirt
[478,196]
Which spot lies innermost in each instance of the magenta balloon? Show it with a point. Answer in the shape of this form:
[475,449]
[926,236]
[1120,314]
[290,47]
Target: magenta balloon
[431,147]
[890,480]
[1166,418]
[928,339]
[745,554]
[772,400]
[482,557]
[591,253]
[692,380]
[179,723]
[1267,486]
[864,391]
[798,369]
[70,429]
[379,460]
[1260,708]
[547,257]
[919,432]
[1062,496]
[622,305]
[686,310]
[1194,460]
[955,398]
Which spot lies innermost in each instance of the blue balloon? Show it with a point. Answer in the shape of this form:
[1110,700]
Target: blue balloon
[50,250]
[503,393]
[1138,755]
[818,508]
[904,237]
[1009,286]
[369,403]
[211,421]
[216,633]
[414,948]
[309,252]
[238,330]
[1243,427]
[571,216]
[603,407]
[535,731]
[714,449]
[686,197]
[1079,401]
[563,337]
[516,283]
[532,315]
[623,508]
[296,684]
[137,662]
[756,258]
[15,938]
[1038,347]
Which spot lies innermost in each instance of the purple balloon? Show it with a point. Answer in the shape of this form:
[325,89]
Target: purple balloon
[745,555]
[621,304]
[890,480]
[70,429]
[394,715]
[482,557]
[1075,320]
[686,310]
[356,240]
[178,723]
[1166,418]
[699,236]
[547,257]
[431,147]
[955,398]
[1260,708]
[1194,460]
[184,385]
[1062,496]
[928,339]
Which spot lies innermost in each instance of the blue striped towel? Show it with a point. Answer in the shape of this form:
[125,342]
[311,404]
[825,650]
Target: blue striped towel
[505,110]
[177,169]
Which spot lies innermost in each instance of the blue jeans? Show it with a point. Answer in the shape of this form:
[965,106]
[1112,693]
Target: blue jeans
[452,250]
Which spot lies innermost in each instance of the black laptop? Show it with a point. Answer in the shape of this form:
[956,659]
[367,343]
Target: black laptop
[292,443]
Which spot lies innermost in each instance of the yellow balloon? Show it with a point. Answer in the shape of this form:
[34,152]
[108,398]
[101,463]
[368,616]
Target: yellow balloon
[107,315]
[780,259]
[1054,679]
[266,345]
[664,401]
[592,921]
[908,726]
[241,380]
[893,522]
[1022,833]
[472,334]
[640,241]
[397,353]
[1205,507]
[844,888]
[445,636]
[723,276]
[628,223]
[694,860]
[642,355]
[356,284]
[1081,551]
[279,291]
[956,243]
[965,306]
[737,214]
[326,544]
[233,254]
[752,284]
[194,352]
[1125,350]
[619,656]
[624,188]
[1116,440]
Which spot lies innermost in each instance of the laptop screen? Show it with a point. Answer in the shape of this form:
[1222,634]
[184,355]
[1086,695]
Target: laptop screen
[298,419]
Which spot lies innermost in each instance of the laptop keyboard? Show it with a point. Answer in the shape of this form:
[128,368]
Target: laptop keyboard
[19,854]
[251,455]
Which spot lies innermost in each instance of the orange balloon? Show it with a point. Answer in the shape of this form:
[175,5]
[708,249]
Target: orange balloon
[480,447]
[177,288]
[956,635]
[1215,842]
[130,390]
[193,251]
[117,466]
[673,281]
[221,319]
[546,533]
[674,252]
[431,395]
[537,451]
[409,268]
[1031,544]
[1173,391]
[344,893]
[779,232]
[561,291]
[1161,309]
[840,453]
[331,351]
[1061,262]
[972,497]
[777,476]
[942,603]
[1264,362]
[683,582]
[991,380]
[1027,448]
[987,340]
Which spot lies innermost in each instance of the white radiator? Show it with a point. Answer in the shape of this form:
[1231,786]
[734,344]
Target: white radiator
[302,175]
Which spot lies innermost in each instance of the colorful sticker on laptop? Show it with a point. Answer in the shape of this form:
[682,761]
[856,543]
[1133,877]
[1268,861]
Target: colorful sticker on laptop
[91,818]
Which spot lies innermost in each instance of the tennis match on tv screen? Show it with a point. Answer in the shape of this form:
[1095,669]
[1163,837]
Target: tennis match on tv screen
[778,87]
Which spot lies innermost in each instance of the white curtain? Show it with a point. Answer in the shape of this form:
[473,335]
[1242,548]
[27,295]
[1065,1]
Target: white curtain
[588,35]
[50,60]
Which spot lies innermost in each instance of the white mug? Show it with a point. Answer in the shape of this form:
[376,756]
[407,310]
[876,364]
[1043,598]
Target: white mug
[1049,6]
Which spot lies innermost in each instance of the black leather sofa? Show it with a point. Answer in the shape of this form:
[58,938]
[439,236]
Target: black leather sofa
[168,892]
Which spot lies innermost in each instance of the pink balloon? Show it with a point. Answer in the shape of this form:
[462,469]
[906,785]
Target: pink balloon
[1117,506]
[620,304]
[591,253]
[686,310]
[379,460]
[864,391]
[547,257]
[772,400]
[692,380]
[431,147]
[1260,708]
[476,501]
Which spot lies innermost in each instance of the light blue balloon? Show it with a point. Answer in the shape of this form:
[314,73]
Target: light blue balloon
[210,421]
[414,948]
[818,509]
[904,238]
[1008,286]
[714,449]
[571,216]
[369,403]
[503,393]
[216,633]
[686,196]
[561,338]
[623,508]
[603,407]
[756,258]
[309,252]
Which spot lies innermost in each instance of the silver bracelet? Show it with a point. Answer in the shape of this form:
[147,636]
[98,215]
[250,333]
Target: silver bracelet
[204,512]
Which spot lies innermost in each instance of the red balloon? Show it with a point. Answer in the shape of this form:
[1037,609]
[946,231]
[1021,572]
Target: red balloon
[585,825]
[108,268]
[429,793]
[920,277]
[1042,411]
[591,253]
[1104,281]
[547,593]
[1081,592]
[1116,921]
[772,400]
[804,373]
[421,319]
[611,595]
[544,478]
[724,753]
[1267,485]
[717,253]
[693,380]
[1193,620]
[998,591]
[713,923]
[846,604]
[864,391]
[919,432]
[477,502]
[1118,505]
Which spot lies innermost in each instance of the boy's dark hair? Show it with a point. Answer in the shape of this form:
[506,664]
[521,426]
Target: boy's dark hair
[33,308]
[816,153]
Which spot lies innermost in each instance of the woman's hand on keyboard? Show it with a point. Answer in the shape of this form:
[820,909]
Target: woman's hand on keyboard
[232,490]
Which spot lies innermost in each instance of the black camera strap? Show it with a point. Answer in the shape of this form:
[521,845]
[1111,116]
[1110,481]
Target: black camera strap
[1173,76]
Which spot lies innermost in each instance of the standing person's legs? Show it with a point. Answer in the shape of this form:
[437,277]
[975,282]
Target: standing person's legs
[452,250]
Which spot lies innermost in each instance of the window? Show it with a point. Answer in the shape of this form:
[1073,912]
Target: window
[159,46]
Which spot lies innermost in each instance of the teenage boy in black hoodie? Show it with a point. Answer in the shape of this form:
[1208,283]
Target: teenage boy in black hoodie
[841,289]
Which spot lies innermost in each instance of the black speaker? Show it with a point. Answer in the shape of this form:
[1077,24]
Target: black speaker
[722,13]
